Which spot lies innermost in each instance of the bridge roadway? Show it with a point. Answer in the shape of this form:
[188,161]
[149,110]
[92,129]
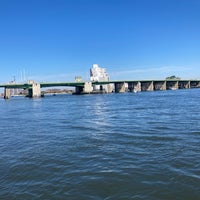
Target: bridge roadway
[81,84]
[119,86]
[42,85]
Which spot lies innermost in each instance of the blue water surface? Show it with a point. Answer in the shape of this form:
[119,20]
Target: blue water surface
[108,146]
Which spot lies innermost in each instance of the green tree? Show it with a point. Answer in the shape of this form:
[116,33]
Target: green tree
[173,78]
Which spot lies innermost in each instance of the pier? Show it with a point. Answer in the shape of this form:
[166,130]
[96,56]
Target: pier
[34,89]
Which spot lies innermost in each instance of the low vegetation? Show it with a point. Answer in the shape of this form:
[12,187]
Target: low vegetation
[173,78]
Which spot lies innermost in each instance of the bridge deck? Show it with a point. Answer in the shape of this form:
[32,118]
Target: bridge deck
[81,84]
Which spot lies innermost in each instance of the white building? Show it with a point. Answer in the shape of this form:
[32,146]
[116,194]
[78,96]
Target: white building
[99,74]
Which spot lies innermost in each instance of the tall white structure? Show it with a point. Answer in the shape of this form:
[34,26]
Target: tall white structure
[99,74]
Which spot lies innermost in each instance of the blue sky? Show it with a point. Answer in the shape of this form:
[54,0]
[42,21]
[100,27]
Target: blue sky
[56,40]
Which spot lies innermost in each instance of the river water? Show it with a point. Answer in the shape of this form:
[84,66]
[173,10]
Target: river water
[112,146]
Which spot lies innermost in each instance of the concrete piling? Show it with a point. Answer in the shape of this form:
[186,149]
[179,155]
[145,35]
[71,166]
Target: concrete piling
[120,87]
[7,93]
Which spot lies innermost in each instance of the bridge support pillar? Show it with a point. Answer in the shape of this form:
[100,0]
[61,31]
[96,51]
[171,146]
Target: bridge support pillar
[134,86]
[194,84]
[87,87]
[7,93]
[120,87]
[184,84]
[172,85]
[147,86]
[187,85]
[160,85]
[34,91]
[109,88]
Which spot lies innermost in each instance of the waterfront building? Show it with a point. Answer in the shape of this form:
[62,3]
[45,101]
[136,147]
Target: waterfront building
[14,91]
[98,74]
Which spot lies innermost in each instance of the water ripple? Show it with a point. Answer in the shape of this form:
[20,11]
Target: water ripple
[117,146]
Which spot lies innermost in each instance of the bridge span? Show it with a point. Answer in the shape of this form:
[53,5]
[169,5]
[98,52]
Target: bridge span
[34,89]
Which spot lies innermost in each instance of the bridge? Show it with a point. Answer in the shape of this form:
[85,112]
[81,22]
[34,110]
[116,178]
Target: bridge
[34,89]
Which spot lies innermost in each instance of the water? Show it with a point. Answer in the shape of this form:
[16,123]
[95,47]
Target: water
[116,146]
